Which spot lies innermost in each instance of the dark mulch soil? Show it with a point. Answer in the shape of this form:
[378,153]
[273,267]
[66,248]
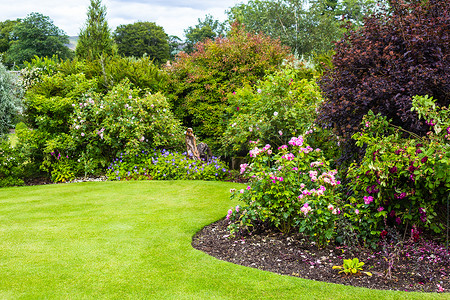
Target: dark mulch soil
[421,266]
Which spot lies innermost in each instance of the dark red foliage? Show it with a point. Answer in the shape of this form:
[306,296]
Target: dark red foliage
[397,54]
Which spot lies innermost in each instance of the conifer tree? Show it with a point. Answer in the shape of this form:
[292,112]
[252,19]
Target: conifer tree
[95,37]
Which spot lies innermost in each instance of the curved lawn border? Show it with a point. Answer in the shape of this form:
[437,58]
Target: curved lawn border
[129,240]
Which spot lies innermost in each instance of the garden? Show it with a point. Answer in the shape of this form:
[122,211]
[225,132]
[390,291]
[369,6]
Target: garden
[342,184]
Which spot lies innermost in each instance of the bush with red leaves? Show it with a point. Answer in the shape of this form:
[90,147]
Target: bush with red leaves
[400,52]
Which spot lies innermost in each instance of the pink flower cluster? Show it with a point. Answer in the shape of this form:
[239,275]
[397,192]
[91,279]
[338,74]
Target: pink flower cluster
[329,178]
[307,150]
[256,151]
[313,175]
[368,199]
[243,168]
[316,164]
[275,178]
[230,212]
[314,192]
[100,133]
[306,209]
[334,211]
[296,141]
[288,156]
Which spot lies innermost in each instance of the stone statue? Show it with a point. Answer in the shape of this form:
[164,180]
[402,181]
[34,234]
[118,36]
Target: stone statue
[191,145]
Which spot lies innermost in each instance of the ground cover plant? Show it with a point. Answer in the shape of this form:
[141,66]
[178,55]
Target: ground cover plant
[165,165]
[133,240]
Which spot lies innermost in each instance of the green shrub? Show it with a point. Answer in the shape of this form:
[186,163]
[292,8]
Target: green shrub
[291,189]
[199,83]
[280,106]
[402,179]
[121,121]
[109,71]
[11,165]
[164,165]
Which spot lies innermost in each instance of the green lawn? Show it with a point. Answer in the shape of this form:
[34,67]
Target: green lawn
[130,240]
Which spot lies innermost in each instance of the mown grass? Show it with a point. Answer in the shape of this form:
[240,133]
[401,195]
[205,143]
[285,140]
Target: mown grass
[132,240]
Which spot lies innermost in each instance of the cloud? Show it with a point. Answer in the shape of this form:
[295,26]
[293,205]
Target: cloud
[173,15]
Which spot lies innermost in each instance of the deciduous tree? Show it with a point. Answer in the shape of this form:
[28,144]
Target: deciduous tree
[36,35]
[143,38]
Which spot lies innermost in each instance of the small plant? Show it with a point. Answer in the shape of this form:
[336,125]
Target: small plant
[352,267]
[164,165]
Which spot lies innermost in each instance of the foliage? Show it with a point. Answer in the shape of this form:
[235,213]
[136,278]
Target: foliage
[293,188]
[11,165]
[352,267]
[48,103]
[205,29]
[95,37]
[175,45]
[164,165]
[304,26]
[111,70]
[200,82]
[282,105]
[402,180]
[10,99]
[6,28]
[142,38]
[396,54]
[121,121]
[36,35]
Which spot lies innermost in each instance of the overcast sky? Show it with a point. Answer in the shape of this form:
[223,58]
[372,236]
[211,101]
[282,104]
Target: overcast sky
[70,15]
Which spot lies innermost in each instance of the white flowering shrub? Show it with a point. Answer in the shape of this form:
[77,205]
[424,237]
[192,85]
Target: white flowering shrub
[280,106]
[10,99]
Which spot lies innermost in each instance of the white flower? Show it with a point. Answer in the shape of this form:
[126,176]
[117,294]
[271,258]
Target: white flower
[280,132]
[275,113]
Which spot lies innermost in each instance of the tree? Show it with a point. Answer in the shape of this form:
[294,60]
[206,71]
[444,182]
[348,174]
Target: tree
[36,35]
[143,38]
[205,29]
[95,38]
[305,26]
[175,45]
[6,28]
[9,99]
[396,55]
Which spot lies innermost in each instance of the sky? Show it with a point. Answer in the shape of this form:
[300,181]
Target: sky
[70,15]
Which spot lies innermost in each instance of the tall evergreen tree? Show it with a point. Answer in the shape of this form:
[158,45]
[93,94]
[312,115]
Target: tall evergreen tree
[95,37]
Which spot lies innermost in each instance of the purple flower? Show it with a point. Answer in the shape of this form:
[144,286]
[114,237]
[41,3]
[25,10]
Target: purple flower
[398,220]
[381,208]
[393,170]
[424,160]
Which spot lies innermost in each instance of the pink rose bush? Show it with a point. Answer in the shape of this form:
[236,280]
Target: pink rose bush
[291,189]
